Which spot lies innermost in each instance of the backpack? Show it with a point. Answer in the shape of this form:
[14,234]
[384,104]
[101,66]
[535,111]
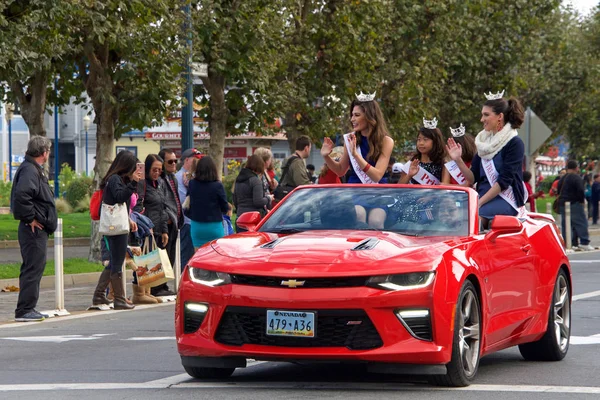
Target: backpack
[95,204]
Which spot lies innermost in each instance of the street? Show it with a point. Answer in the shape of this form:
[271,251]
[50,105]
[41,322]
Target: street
[133,355]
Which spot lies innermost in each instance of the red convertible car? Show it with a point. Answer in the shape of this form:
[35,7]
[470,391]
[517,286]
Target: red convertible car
[428,293]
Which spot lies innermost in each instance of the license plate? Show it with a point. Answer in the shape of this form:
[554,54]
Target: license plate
[290,323]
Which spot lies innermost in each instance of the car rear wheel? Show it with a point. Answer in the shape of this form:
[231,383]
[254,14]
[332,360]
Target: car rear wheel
[462,368]
[553,346]
[209,373]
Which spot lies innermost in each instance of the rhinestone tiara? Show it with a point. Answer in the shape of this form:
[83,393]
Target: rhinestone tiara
[494,96]
[365,97]
[430,124]
[458,132]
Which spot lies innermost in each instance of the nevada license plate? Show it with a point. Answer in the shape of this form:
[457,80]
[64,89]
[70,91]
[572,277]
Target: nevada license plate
[290,323]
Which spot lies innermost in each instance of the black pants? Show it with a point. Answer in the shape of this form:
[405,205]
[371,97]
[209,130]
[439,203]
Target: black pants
[33,251]
[117,246]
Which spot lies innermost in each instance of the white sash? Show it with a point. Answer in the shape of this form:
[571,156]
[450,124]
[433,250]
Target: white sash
[508,194]
[455,172]
[362,175]
[423,176]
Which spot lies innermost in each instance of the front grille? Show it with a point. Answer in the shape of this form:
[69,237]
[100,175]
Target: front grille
[309,283]
[420,327]
[247,325]
[192,320]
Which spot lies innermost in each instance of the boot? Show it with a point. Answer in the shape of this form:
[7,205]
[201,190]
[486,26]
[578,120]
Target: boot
[119,291]
[162,290]
[148,292]
[140,297]
[99,294]
[111,295]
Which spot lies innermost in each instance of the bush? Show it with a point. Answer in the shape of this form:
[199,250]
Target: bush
[5,188]
[65,177]
[546,183]
[63,206]
[83,204]
[78,189]
[233,170]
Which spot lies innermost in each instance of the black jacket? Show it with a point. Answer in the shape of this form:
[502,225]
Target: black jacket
[249,194]
[31,196]
[570,188]
[208,201]
[117,191]
[173,198]
[152,202]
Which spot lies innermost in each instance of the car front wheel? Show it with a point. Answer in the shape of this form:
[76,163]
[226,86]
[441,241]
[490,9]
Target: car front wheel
[553,346]
[209,373]
[462,368]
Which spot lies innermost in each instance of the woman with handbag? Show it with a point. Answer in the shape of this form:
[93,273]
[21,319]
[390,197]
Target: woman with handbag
[118,185]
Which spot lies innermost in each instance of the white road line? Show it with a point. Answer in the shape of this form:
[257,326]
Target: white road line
[585,262]
[594,339]
[172,383]
[142,338]
[586,295]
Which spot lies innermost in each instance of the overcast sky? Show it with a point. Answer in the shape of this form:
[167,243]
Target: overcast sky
[583,6]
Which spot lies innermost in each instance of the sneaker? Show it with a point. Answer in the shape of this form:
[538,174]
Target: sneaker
[42,314]
[31,316]
[587,247]
[575,248]
[162,292]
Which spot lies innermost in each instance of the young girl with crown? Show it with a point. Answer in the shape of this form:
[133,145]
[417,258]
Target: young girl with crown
[497,167]
[469,149]
[427,165]
[367,152]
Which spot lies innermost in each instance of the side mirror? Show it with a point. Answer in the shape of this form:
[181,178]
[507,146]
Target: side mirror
[503,225]
[249,220]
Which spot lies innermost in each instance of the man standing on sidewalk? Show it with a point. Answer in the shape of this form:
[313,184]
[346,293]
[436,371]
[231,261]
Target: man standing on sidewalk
[32,203]
[570,188]
[187,247]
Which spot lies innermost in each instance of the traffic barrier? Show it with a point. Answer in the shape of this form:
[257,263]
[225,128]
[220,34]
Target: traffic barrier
[59,277]
[568,224]
[548,208]
[177,266]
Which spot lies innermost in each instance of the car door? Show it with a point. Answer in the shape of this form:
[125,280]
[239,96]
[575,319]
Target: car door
[509,284]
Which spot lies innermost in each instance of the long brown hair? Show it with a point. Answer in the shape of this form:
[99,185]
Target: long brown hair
[376,125]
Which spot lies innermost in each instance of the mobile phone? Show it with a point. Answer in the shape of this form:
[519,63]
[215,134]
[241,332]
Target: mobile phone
[140,169]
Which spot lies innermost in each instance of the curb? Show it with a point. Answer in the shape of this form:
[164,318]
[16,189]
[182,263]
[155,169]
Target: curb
[71,280]
[67,242]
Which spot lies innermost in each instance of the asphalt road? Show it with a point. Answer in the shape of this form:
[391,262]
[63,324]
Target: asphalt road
[132,355]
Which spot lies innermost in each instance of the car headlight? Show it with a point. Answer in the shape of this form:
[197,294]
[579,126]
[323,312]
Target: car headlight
[208,278]
[413,280]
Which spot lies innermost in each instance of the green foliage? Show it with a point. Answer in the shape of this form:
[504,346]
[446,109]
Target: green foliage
[70,266]
[546,183]
[78,189]
[5,189]
[83,205]
[63,206]
[233,170]
[65,177]
[74,225]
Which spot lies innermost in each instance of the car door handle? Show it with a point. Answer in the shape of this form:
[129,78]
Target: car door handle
[526,248]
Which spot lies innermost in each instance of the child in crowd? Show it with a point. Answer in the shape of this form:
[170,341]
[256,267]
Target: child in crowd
[227,225]
[427,165]
[530,195]
[469,149]
[595,198]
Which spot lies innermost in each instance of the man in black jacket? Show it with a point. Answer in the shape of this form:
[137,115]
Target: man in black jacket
[32,203]
[570,188]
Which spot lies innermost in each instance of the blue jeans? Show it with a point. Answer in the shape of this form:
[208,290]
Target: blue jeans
[186,245]
[579,224]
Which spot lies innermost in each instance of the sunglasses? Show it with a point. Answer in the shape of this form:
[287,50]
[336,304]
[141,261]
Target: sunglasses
[172,161]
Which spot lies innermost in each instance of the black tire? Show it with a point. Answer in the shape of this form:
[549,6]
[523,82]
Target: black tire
[209,373]
[553,346]
[462,368]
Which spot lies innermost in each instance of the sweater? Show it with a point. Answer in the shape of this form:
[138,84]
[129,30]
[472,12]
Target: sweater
[208,201]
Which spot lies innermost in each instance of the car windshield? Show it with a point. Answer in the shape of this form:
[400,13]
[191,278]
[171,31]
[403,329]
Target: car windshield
[408,211]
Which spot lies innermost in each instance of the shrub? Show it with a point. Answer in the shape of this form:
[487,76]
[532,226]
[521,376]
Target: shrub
[233,170]
[83,204]
[63,206]
[65,177]
[5,188]
[78,189]
[546,183]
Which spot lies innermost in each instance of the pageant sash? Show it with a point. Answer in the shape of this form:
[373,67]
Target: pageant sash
[362,175]
[455,172]
[423,176]
[508,194]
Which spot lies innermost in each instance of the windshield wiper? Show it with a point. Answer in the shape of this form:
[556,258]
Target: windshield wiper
[406,233]
[286,230]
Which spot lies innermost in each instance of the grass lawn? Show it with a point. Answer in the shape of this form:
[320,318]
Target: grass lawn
[70,266]
[74,225]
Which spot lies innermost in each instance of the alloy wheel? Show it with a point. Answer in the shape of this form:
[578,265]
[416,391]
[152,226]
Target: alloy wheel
[562,313]
[469,333]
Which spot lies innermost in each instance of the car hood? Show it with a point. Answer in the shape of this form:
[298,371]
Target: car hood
[344,252]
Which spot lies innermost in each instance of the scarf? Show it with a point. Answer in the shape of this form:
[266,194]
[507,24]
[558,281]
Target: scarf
[489,143]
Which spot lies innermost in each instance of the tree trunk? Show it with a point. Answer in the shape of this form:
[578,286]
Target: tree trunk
[32,99]
[291,132]
[219,113]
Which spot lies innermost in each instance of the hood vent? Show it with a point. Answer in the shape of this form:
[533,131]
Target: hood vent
[367,244]
[272,243]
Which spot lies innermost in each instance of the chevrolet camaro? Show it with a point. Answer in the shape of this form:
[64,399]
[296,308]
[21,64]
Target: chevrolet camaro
[398,277]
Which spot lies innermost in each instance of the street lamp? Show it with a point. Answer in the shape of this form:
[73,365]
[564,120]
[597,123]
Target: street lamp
[9,113]
[86,125]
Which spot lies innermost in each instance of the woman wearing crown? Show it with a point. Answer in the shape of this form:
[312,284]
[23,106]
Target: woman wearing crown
[497,167]
[367,152]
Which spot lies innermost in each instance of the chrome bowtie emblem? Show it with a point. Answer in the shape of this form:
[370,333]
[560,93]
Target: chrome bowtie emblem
[292,283]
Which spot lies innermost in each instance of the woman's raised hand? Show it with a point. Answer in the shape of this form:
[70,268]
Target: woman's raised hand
[414,168]
[352,140]
[327,147]
[454,149]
